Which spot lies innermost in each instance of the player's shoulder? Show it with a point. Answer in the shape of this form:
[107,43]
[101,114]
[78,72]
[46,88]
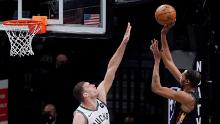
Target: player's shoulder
[79,116]
[77,113]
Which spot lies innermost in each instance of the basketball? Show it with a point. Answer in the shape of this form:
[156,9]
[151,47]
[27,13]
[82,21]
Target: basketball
[165,14]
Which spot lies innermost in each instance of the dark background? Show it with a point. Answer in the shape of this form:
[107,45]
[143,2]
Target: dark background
[35,80]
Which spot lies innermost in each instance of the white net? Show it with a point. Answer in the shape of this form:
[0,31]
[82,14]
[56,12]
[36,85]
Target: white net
[20,38]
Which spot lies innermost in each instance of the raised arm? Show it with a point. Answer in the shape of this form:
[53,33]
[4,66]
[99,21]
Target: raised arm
[155,84]
[166,55]
[113,64]
[157,88]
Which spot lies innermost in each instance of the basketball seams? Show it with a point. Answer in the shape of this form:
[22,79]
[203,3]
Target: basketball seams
[165,14]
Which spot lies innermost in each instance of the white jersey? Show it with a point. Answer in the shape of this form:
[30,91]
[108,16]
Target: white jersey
[98,116]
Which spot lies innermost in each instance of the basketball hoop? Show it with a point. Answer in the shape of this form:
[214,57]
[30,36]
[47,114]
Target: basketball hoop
[20,34]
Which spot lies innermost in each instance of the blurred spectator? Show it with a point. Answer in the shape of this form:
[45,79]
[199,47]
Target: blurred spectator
[61,59]
[49,115]
[129,120]
[61,84]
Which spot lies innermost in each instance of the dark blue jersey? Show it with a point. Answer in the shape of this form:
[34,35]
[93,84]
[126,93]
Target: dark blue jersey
[181,117]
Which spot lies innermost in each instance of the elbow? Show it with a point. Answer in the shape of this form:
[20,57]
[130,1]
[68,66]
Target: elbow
[111,71]
[155,88]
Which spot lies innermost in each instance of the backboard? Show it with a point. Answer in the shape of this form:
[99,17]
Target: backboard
[64,16]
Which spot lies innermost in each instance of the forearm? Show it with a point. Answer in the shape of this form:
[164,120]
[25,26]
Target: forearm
[164,40]
[117,57]
[155,84]
[166,54]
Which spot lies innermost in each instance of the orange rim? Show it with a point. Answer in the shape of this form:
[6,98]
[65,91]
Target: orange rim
[21,22]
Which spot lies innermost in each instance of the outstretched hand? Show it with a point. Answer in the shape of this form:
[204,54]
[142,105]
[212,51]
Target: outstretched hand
[127,33]
[167,27]
[155,50]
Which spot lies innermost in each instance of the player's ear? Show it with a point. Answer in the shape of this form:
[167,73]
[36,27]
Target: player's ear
[85,94]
